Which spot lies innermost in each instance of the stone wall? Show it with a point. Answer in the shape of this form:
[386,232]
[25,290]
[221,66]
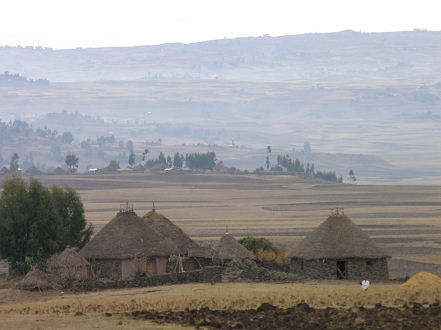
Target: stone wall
[356,269]
[207,274]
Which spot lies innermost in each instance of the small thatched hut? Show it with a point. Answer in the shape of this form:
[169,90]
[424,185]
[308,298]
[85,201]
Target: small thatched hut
[193,255]
[4,171]
[35,279]
[229,249]
[32,171]
[127,245]
[339,249]
[69,264]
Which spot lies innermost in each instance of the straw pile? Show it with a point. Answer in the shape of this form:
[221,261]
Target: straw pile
[35,280]
[423,279]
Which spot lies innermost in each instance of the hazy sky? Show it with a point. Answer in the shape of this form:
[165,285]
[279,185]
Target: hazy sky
[97,23]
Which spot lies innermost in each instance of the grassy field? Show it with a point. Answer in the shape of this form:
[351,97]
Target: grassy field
[405,220]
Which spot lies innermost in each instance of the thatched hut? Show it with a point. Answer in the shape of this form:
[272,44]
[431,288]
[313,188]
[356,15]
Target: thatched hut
[339,249]
[32,171]
[35,279]
[228,248]
[192,255]
[127,245]
[69,264]
[4,171]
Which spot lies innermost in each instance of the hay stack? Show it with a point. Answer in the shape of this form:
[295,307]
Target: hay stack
[230,249]
[423,279]
[35,279]
[69,264]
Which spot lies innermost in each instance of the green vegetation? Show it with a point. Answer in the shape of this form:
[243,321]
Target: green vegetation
[15,80]
[72,161]
[36,222]
[201,161]
[13,165]
[264,250]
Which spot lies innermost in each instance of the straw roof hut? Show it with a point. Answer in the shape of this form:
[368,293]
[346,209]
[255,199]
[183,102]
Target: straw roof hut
[167,228]
[230,249]
[184,245]
[32,171]
[35,279]
[339,249]
[126,245]
[5,171]
[69,264]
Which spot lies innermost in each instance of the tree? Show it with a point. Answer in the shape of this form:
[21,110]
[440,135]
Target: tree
[144,154]
[307,147]
[162,159]
[72,160]
[67,137]
[130,145]
[73,222]
[13,165]
[36,222]
[113,165]
[352,175]
[169,161]
[268,149]
[132,159]
[178,160]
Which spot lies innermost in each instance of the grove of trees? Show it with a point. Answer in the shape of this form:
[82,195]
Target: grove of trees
[36,222]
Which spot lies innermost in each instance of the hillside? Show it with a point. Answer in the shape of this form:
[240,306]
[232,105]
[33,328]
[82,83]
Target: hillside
[329,56]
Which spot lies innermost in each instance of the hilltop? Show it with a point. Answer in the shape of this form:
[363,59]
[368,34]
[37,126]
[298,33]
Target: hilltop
[327,56]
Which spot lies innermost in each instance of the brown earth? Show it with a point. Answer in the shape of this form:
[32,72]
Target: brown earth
[303,316]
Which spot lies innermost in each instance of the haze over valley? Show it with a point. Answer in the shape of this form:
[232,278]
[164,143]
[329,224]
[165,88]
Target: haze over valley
[364,101]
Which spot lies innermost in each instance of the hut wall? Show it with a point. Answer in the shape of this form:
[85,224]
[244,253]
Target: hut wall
[371,269]
[356,269]
[160,266]
[130,267]
[76,273]
[106,268]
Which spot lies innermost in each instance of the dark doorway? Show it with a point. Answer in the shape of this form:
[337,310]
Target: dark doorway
[341,269]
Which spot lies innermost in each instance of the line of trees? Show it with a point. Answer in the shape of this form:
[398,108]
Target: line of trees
[194,161]
[285,163]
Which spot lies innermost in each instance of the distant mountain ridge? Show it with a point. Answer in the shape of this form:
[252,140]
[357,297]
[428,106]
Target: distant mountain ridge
[329,56]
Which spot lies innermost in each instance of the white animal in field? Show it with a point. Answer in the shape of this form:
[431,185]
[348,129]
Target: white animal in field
[365,285]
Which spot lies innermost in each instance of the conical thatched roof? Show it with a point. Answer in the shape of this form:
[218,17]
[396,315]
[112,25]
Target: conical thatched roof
[32,171]
[68,258]
[35,279]
[168,229]
[5,171]
[229,248]
[337,238]
[127,236]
